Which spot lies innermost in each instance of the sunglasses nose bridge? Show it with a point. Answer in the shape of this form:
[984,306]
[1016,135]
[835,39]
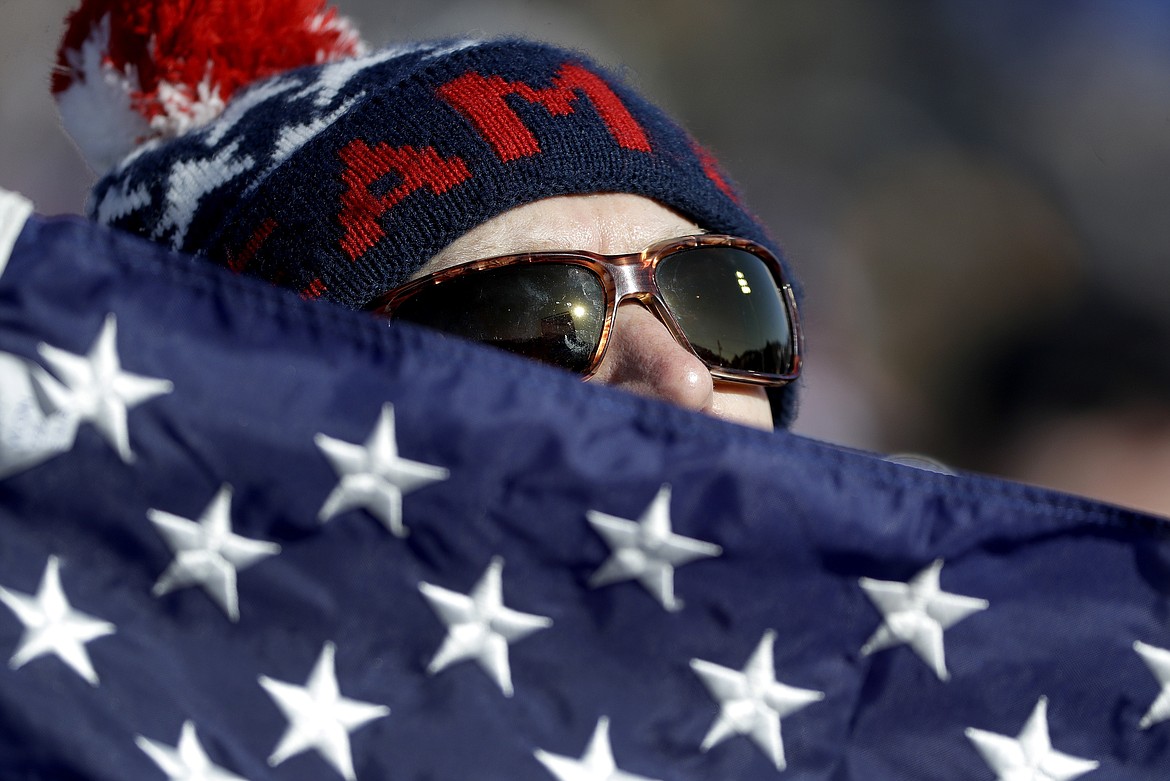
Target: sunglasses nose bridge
[632,279]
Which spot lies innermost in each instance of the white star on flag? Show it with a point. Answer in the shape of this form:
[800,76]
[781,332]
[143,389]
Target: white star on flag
[28,436]
[917,613]
[207,552]
[596,764]
[480,626]
[373,476]
[187,761]
[94,388]
[647,550]
[1030,755]
[52,626]
[1158,660]
[751,701]
[318,716]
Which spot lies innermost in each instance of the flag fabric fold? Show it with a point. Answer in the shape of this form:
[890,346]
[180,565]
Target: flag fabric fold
[248,536]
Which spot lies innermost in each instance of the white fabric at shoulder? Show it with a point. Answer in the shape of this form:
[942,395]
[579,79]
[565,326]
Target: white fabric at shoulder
[14,212]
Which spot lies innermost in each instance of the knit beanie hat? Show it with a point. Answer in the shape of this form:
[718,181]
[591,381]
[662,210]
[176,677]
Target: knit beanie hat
[303,158]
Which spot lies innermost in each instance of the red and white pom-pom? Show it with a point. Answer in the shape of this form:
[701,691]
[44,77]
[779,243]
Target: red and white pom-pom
[132,70]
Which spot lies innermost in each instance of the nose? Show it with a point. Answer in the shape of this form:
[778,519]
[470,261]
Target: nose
[644,358]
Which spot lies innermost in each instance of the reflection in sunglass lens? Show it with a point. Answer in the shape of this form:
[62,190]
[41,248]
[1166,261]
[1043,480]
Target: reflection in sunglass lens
[728,306]
[551,312]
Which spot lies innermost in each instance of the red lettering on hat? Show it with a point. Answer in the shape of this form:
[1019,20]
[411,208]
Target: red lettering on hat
[711,170]
[314,290]
[481,100]
[238,261]
[361,210]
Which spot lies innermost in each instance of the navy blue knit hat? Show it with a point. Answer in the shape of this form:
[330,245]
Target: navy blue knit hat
[341,179]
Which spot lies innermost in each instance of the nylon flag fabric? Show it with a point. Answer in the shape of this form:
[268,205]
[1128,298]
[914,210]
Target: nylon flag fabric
[246,536]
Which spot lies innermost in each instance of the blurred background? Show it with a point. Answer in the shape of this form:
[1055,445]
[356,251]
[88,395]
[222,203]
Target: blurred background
[975,195]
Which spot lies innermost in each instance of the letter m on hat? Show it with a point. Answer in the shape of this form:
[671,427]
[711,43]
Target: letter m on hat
[481,99]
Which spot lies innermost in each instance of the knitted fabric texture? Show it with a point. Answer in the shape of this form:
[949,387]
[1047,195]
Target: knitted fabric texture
[340,180]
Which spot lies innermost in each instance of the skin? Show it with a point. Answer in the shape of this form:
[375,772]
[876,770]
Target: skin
[642,357]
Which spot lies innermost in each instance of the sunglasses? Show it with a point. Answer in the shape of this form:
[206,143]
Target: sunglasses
[722,298]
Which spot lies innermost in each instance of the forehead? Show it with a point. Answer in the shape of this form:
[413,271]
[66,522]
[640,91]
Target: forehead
[610,223]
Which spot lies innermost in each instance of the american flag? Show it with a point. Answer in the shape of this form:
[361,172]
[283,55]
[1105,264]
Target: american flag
[247,536]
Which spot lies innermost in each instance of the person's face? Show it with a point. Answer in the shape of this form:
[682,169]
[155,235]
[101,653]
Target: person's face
[642,356]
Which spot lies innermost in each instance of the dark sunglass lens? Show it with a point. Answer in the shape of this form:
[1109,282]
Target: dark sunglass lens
[550,312]
[727,303]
